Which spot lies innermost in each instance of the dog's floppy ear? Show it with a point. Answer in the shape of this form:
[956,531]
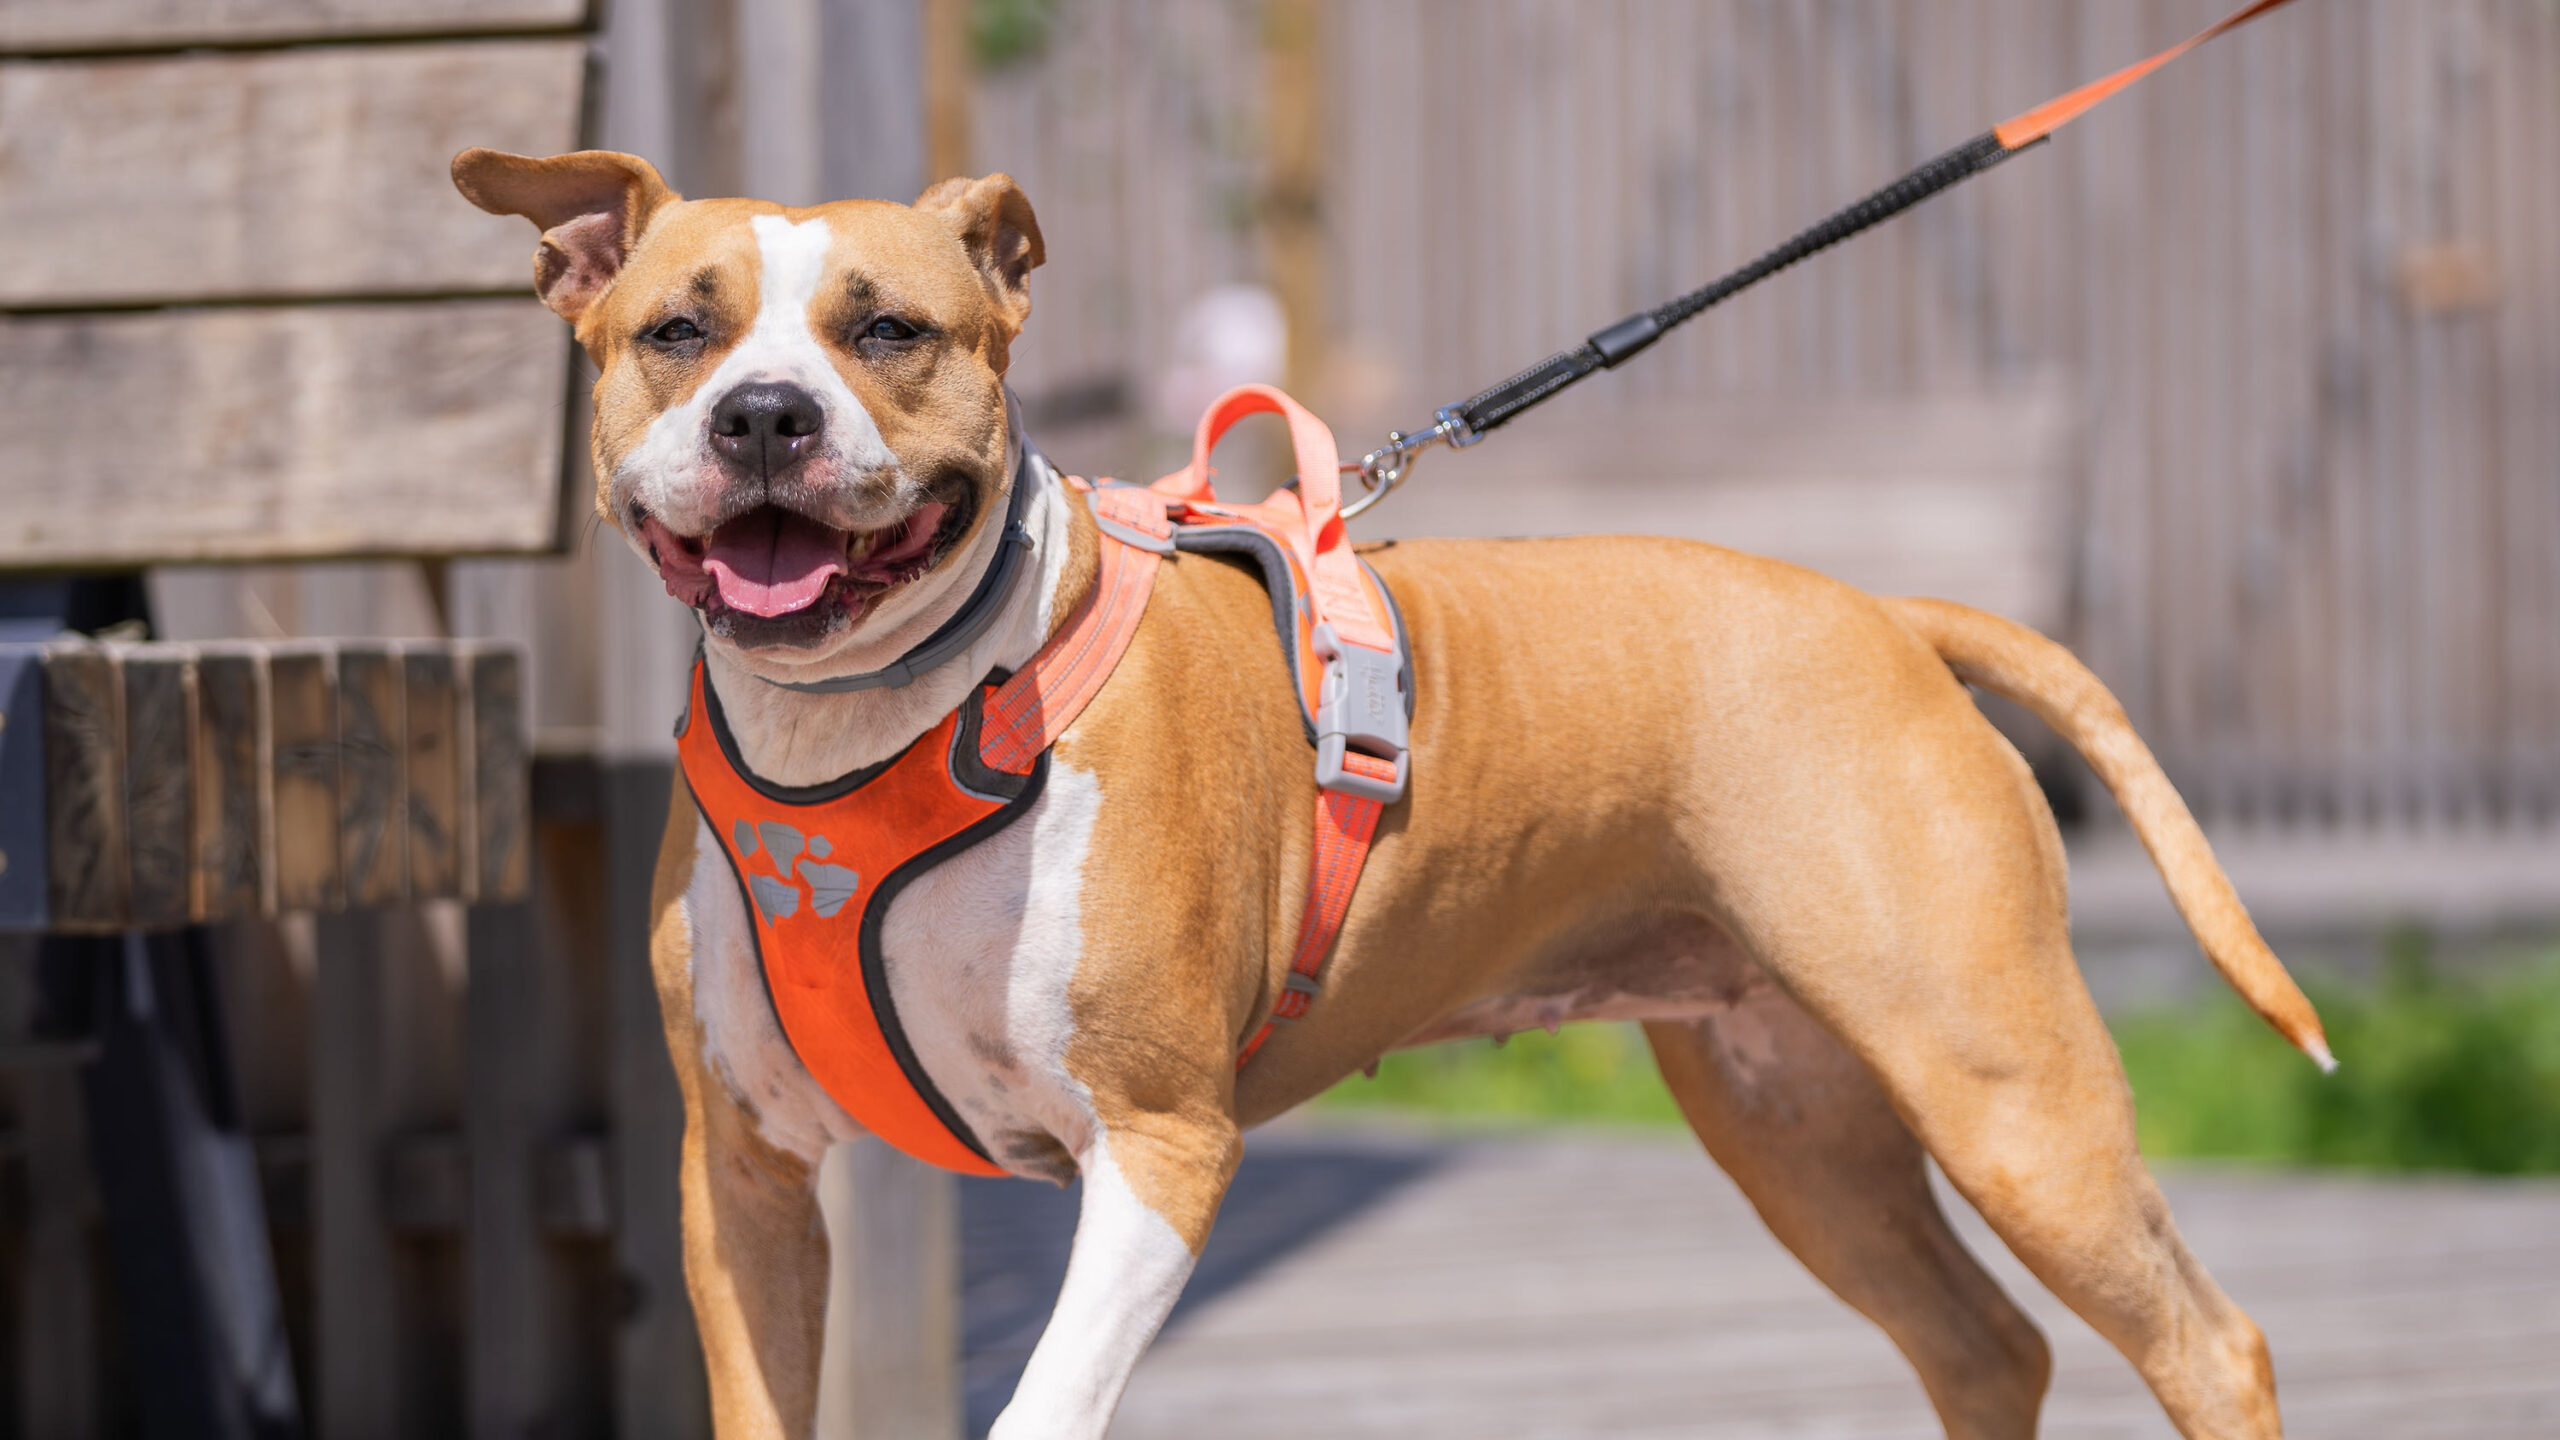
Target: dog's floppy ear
[995,225]
[590,208]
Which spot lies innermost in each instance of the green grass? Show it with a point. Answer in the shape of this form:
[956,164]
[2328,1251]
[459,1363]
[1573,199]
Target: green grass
[2436,1073]
[1583,1072]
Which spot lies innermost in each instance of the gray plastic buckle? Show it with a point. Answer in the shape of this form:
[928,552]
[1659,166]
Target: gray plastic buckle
[1361,708]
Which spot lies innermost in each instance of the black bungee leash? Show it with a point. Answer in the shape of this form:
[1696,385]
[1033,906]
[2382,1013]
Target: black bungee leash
[1461,425]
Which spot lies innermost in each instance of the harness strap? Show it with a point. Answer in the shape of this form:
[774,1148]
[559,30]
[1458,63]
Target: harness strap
[1345,824]
[1028,713]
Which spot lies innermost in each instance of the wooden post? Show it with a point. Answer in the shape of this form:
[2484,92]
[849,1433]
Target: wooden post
[231,777]
[893,1295]
[1293,207]
[159,745]
[507,1027]
[302,733]
[25,873]
[57,1314]
[373,828]
[356,1389]
[662,1390]
[92,877]
[950,75]
[500,845]
[433,732]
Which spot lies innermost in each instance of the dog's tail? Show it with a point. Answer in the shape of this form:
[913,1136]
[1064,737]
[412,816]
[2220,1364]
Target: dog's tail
[2016,662]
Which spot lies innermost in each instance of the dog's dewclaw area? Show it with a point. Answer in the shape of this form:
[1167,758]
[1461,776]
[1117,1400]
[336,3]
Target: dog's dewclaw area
[1580,1286]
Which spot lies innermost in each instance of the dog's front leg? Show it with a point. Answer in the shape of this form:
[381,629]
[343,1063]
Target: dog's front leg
[1151,1186]
[755,1260]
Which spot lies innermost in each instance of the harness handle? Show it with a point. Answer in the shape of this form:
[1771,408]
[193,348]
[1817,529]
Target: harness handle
[1310,512]
[1319,460]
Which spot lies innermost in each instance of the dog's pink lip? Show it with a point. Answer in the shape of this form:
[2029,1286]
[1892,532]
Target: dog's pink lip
[772,562]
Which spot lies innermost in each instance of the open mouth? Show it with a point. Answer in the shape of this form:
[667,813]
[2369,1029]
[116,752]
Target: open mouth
[777,577]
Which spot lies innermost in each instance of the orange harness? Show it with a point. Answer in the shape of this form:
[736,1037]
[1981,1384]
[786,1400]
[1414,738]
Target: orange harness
[819,865]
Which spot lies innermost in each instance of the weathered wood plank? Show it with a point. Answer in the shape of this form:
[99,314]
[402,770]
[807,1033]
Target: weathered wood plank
[2394,1305]
[501,846]
[41,26]
[232,765]
[182,784]
[397,429]
[303,739]
[159,753]
[91,873]
[373,851]
[433,772]
[300,173]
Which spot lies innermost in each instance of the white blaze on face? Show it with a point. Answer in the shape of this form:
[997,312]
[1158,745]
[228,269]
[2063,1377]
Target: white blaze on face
[673,472]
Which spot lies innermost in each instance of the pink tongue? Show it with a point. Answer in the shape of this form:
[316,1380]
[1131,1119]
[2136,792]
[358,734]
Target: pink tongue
[773,562]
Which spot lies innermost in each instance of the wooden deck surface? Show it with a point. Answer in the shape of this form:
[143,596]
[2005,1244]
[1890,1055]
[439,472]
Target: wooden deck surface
[1614,1285]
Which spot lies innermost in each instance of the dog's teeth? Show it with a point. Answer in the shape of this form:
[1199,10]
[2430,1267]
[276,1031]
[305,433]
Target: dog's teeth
[864,543]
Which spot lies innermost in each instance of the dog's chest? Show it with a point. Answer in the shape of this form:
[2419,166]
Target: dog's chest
[979,952]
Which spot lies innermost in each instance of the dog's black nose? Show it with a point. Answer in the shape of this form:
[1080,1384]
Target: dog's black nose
[766,428]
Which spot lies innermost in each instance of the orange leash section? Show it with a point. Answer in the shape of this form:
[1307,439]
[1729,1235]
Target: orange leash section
[2025,129]
[1458,426]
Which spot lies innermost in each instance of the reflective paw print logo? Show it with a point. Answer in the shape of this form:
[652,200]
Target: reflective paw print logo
[795,874]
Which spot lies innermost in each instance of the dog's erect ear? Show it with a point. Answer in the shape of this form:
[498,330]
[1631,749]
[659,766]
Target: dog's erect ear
[996,226]
[590,207]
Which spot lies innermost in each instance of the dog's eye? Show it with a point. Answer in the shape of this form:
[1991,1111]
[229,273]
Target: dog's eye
[676,332]
[889,327]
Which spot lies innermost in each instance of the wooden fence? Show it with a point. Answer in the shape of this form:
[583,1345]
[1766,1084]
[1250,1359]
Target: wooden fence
[2297,296]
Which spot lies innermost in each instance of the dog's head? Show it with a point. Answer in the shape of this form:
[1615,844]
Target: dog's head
[800,414]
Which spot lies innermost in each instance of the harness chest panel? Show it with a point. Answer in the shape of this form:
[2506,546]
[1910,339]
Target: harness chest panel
[817,869]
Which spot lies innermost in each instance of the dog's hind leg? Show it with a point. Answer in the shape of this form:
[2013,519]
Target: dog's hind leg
[1917,912]
[1807,1133]
[2025,1108]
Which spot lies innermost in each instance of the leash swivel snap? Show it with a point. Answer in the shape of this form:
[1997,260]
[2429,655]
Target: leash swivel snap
[1383,469]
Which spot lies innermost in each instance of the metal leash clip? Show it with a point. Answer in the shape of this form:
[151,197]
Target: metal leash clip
[1385,468]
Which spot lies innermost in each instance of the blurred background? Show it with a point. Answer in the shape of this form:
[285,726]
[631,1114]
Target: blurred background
[2248,388]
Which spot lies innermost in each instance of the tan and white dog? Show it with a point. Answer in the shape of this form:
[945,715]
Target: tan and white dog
[1653,780]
